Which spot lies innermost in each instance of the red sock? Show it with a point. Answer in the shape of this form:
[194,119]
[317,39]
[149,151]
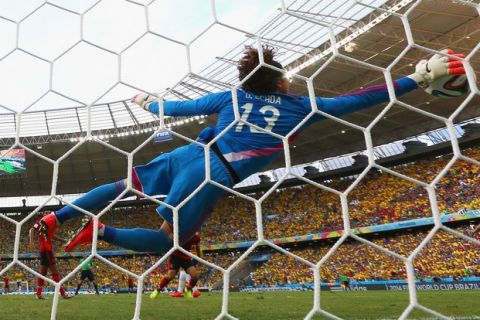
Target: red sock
[191,284]
[163,283]
[56,278]
[40,284]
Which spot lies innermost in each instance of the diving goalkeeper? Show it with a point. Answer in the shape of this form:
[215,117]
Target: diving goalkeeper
[263,100]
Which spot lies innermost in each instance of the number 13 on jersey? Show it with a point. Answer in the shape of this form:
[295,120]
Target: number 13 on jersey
[270,115]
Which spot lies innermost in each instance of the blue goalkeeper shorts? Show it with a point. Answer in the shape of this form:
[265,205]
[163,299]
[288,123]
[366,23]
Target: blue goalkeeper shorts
[177,174]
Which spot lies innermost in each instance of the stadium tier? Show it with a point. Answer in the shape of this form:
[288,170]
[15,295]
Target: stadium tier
[305,210]
[380,199]
[446,257]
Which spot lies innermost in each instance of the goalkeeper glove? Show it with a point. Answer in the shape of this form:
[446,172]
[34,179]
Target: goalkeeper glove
[436,67]
[143,100]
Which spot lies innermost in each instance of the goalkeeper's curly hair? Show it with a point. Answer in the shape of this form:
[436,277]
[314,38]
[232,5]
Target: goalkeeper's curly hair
[264,80]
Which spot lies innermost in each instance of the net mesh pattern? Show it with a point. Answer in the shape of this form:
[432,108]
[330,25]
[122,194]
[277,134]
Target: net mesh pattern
[400,9]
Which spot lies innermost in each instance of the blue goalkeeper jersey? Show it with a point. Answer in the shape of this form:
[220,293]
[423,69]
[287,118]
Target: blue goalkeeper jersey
[248,149]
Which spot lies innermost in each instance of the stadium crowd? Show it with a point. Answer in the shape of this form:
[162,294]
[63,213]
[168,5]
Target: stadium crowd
[379,198]
[444,256]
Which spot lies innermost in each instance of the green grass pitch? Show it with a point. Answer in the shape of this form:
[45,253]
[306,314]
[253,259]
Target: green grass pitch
[271,305]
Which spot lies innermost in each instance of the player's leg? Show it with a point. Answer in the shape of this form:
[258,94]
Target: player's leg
[80,281]
[56,275]
[147,240]
[160,241]
[100,196]
[169,277]
[141,178]
[186,180]
[171,273]
[196,292]
[91,279]
[181,285]
[95,286]
[93,199]
[192,271]
[152,178]
[137,239]
[187,177]
[182,278]
[40,281]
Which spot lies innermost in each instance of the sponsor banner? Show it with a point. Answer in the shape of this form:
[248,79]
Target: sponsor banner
[355,287]
[386,285]
[276,289]
[309,287]
[438,286]
[463,215]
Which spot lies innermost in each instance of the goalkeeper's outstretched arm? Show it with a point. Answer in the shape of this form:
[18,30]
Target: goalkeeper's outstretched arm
[437,66]
[426,72]
[209,104]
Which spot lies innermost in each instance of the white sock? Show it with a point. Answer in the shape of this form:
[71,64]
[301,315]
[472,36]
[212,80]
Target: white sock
[182,279]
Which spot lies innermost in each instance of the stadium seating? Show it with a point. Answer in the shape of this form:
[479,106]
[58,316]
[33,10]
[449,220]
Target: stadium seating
[379,198]
[445,256]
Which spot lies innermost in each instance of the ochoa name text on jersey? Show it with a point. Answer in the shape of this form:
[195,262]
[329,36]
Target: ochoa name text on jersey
[270,98]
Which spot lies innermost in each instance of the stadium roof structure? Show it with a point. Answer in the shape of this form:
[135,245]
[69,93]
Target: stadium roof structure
[368,31]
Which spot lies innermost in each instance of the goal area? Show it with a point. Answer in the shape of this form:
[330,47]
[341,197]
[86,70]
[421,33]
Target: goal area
[71,80]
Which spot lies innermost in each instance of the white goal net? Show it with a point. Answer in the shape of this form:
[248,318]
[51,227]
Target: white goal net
[185,50]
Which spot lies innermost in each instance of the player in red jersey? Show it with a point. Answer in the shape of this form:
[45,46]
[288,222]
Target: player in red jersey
[47,258]
[6,284]
[179,260]
[130,284]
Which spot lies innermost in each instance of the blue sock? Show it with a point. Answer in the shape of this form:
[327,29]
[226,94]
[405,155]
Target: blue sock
[141,240]
[94,199]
